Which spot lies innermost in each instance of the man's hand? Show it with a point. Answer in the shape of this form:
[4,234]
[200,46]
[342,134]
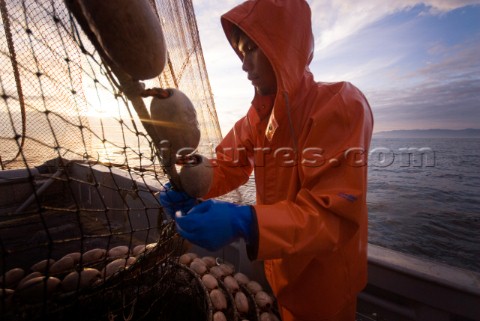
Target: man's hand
[173,201]
[213,224]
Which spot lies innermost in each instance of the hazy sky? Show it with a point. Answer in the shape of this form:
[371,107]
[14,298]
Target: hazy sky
[416,61]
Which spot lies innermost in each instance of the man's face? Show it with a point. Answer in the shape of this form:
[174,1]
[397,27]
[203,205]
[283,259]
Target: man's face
[257,66]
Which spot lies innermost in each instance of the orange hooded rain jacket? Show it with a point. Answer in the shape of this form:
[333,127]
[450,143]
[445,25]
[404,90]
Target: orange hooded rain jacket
[309,158]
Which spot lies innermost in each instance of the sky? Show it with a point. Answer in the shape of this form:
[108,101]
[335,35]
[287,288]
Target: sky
[416,61]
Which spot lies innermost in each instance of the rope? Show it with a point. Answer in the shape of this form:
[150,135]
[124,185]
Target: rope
[13,59]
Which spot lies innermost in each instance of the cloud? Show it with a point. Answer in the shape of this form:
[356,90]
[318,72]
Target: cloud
[412,79]
[444,93]
[416,108]
[459,60]
[334,20]
[456,64]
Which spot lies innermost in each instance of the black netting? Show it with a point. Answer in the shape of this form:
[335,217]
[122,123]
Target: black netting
[79,171]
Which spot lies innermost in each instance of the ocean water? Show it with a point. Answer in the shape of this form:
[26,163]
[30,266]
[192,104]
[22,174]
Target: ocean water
[423,198]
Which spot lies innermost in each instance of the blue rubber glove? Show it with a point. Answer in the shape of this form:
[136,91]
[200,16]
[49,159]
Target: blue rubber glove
[173,201]
[213,224]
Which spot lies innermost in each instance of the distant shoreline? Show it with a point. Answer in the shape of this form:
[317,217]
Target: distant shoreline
[429,133]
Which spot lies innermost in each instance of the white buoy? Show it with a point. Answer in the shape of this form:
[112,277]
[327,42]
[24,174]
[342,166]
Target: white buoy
[130,34]
[175,121]
[197,177]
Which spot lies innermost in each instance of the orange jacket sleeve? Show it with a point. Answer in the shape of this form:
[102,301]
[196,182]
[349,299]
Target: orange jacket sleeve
[234,161]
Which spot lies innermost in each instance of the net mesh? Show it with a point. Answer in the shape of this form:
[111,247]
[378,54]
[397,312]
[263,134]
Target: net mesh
[57,97]
[78,171]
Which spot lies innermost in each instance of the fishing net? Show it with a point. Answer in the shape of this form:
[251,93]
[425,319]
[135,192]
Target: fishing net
[82,235]
[60,100]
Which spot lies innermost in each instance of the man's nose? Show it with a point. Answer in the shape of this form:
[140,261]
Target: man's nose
[246,64]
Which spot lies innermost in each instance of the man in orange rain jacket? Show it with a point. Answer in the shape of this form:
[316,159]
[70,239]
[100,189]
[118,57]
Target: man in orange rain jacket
[307,143]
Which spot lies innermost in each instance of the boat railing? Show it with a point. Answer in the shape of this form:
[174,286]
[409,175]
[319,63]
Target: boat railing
[406,287]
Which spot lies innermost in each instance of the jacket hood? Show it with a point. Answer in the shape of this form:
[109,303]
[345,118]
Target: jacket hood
[282,29]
